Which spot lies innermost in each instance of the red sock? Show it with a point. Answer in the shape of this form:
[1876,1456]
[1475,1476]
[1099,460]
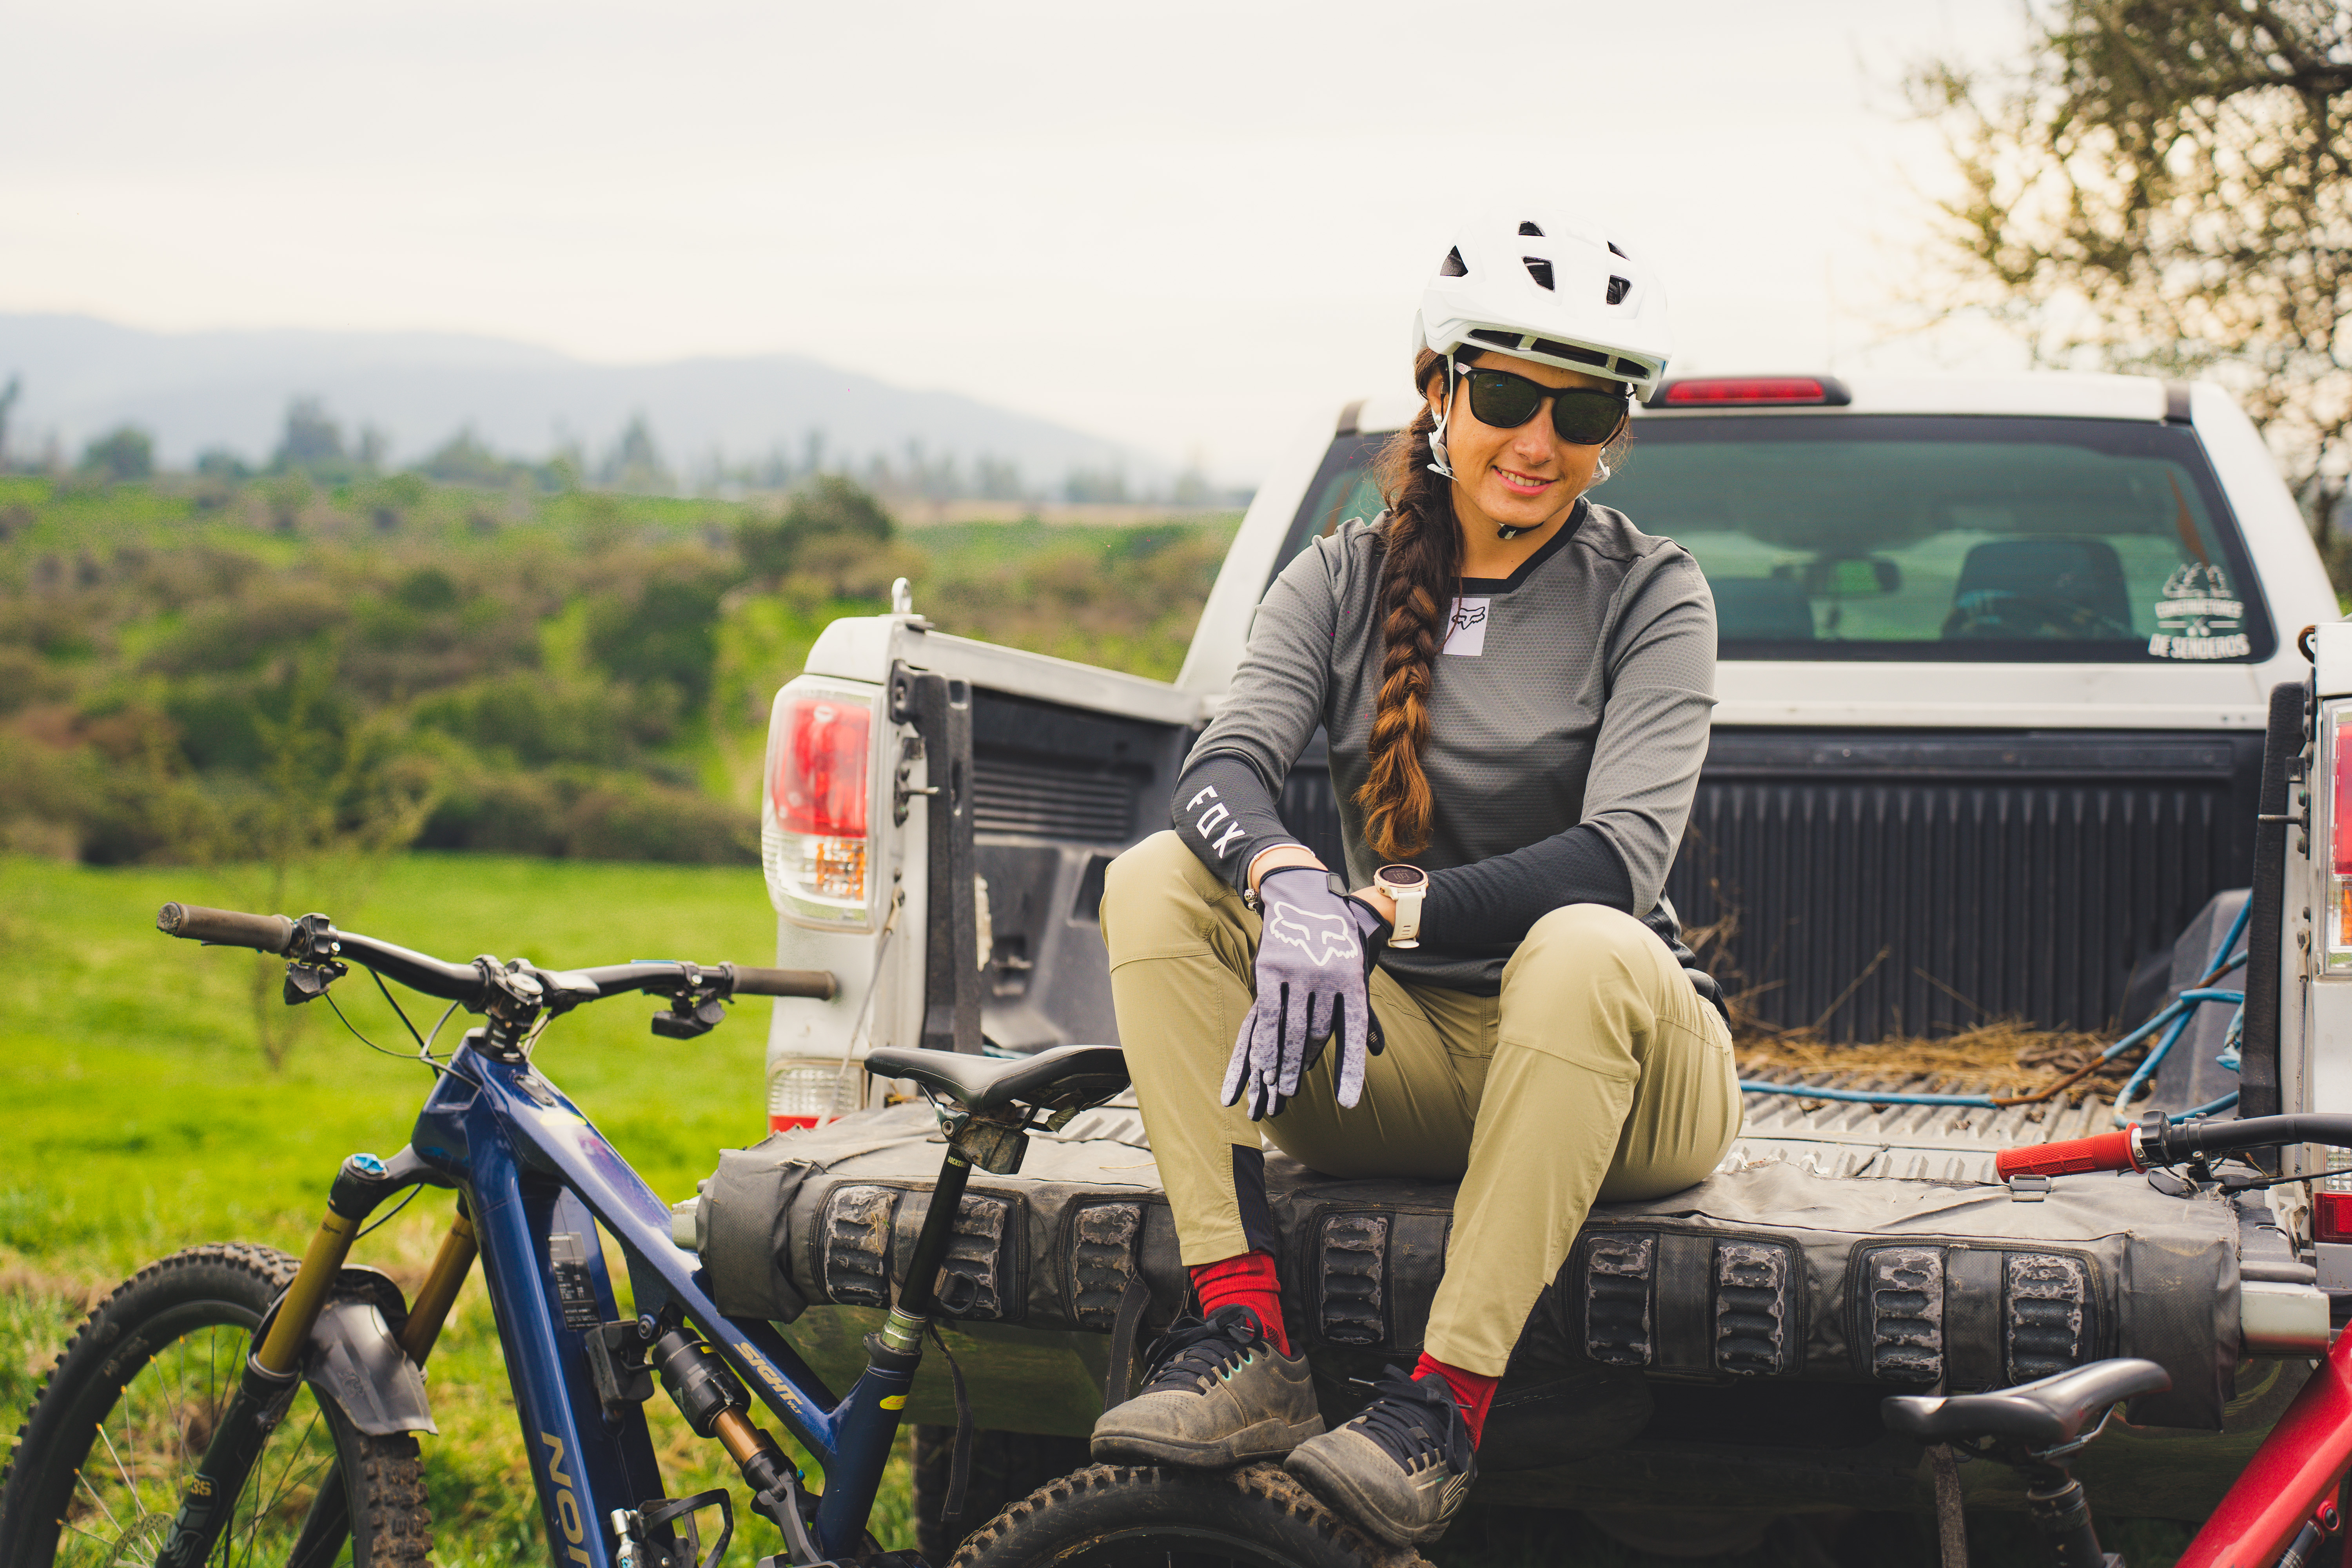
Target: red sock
[1473,1391]
[1249,1281]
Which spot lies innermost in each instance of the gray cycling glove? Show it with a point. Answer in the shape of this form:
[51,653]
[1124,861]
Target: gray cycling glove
[1314,958]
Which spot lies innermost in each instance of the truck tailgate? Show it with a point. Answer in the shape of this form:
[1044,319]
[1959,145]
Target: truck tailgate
[1770,1271]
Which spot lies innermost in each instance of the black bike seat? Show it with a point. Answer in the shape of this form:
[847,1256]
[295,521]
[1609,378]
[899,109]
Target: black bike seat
[1063,1079]
[2042,1413]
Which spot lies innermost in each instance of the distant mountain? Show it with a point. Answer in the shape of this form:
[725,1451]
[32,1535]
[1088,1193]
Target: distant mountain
[196,390]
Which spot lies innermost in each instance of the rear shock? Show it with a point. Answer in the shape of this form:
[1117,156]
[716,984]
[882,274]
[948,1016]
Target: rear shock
[711,1397]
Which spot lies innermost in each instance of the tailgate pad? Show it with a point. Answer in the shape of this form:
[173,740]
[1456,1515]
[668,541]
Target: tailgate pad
[1764,1271]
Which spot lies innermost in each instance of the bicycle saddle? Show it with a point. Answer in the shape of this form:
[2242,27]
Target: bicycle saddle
[1065,1077]
[2042,1413]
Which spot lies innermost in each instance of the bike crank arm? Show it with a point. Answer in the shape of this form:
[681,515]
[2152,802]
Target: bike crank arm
[274,1372]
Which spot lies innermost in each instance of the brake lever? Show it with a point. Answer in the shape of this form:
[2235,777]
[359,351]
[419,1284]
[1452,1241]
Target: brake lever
[312,964]
[692,1012]
[697,1006]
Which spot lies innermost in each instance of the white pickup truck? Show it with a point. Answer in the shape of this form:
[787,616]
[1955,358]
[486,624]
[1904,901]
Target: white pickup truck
[2012,717]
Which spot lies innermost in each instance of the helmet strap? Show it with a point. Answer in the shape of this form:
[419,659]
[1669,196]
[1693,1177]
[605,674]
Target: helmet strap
[1437,458]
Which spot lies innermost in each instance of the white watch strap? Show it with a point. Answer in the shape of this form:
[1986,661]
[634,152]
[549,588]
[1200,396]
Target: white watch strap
[1408,915]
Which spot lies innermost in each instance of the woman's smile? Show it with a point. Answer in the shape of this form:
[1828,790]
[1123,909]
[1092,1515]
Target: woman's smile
[1522,484]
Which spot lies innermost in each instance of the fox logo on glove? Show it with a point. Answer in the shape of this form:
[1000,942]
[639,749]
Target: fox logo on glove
[1323,938]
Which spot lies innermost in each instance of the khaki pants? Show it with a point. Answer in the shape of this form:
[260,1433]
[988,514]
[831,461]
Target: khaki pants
[1597,1074]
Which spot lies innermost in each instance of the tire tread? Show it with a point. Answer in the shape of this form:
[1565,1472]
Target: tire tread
[1267,1487]
[389,1474]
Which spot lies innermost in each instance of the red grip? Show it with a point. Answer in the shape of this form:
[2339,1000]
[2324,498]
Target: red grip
[2107,1152]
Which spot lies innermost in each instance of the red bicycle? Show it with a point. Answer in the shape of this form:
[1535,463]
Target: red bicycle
[2283,1503]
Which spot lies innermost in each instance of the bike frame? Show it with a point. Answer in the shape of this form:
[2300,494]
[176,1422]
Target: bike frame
[2291,1476]
[532,1167]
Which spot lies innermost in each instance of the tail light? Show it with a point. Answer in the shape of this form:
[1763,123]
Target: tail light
[2337,794]
[2331,1217]
[813,840]
[1751,391]
[805,1090]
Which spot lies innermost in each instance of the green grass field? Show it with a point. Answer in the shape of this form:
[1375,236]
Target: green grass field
[143,1119]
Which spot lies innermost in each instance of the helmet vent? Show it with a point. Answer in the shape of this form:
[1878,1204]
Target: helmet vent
[1618,289]
[1569,351]
[1615,251]
[1638,372]
[1540,270]
[1452,266]
[1531,229]
[1488,335]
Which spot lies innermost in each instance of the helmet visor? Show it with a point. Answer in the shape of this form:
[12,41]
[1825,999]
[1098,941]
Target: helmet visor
[1581,416]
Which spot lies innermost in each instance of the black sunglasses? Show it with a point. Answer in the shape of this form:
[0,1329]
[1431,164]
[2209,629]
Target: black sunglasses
[1582,416]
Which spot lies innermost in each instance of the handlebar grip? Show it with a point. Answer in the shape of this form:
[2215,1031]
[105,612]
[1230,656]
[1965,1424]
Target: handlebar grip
[2107,1152]
[816,984]
[227,928]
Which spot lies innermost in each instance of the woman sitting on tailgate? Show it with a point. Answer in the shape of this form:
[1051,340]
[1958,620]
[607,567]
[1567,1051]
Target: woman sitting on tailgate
[1516,685]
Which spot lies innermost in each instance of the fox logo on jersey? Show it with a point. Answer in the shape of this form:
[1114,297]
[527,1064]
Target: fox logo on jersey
[1323,938]
[1209,820]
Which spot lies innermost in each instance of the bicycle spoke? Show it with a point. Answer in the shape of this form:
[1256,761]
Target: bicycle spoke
[100,1501]
[287,1477]
[130,1479]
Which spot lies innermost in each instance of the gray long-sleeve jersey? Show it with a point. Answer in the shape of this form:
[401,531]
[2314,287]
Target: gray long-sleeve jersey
[1569,716]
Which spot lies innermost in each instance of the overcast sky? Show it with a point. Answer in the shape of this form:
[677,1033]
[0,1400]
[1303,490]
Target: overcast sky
[1195,229]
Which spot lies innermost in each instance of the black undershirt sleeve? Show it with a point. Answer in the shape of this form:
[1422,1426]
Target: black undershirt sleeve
[1225,814]
[1490,904]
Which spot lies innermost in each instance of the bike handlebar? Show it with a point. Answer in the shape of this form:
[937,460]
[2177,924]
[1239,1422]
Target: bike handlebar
[466,983]
[226,928]
[816,984]
[2139,1147]
[2107,1152]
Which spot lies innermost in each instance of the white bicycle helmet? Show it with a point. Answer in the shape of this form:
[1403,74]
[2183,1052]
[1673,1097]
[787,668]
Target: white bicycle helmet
[1549,287]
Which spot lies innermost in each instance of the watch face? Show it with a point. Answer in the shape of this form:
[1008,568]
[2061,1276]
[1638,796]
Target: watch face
[1403,875]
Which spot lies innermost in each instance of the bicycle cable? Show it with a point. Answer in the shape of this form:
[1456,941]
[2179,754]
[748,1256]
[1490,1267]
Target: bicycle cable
[397,1010]
[408,1198]
[397,1056]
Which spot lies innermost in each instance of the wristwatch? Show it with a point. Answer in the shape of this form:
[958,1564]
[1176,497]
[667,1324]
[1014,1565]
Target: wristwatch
[1406,885]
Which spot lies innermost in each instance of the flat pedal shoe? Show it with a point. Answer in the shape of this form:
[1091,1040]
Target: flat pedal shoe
[1400,1470]
[1216,1394]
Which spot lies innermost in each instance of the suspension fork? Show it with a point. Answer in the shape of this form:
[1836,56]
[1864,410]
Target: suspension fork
[451,1264]
[329,1521]
[274,1371]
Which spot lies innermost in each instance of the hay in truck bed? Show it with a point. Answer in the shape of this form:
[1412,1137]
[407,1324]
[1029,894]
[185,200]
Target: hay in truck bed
[1752,1322]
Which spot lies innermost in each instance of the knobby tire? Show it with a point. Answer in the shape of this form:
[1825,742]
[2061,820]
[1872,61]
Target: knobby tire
[89,1481]
[1127,1516]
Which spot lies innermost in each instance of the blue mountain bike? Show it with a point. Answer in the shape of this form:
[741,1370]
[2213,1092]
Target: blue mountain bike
[231,1404]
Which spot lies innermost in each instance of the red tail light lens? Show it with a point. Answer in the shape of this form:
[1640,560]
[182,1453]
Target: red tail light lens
[1735,391]
[813,833]
[2331,1217]
[2329,801]
[820,785]
[2339,805]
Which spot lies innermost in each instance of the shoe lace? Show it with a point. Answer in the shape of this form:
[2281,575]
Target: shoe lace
[1193,1351]
[1416,1422]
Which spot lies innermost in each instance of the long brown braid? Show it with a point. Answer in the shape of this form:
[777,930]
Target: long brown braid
[1422,551]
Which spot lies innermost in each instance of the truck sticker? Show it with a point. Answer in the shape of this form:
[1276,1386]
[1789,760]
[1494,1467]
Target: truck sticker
[1466,633]
[2199,617]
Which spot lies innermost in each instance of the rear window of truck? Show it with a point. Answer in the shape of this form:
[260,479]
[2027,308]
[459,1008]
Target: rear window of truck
[1942,537]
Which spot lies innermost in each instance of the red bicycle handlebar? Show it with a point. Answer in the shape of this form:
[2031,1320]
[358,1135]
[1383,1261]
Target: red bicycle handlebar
[2116,1151]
